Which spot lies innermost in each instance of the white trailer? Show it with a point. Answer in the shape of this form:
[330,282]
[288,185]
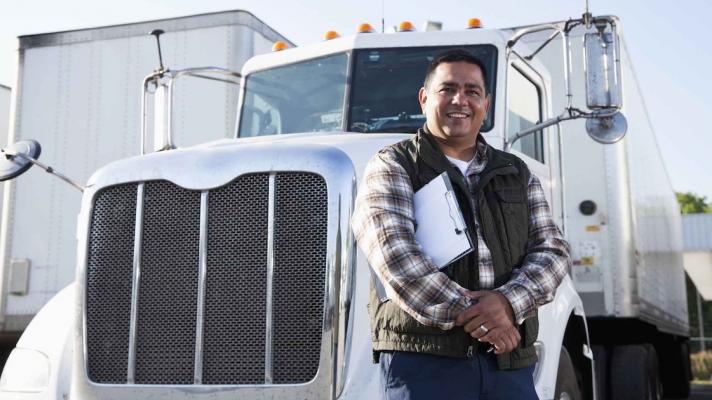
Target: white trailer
[623,222]
[78,92]
[5,93]
[229,269]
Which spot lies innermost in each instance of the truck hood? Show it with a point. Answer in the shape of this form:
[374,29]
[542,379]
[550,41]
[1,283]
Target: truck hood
[216,163]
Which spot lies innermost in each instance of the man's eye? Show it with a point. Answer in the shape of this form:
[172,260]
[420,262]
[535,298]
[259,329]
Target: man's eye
[447,90]
[473,93]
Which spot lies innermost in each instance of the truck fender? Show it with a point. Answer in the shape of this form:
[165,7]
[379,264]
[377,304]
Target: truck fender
[40,365]
[553,322]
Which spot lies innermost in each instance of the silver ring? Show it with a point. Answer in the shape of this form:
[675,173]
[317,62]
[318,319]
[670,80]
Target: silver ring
[483,328]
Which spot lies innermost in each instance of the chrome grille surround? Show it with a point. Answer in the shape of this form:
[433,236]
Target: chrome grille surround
[338,176]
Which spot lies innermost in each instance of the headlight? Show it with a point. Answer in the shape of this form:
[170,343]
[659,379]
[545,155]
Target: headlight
[26,370]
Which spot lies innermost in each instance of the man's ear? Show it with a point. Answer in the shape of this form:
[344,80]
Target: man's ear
[422,97]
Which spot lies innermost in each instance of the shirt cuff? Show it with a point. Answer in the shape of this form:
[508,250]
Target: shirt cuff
[520,300]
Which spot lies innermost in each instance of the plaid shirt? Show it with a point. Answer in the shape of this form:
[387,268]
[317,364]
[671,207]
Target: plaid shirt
[383,222]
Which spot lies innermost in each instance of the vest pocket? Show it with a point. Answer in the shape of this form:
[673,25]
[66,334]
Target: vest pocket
[515,211]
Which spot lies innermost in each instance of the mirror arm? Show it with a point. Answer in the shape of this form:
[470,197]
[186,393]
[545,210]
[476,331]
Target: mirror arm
[568,114]
[12,154]
[221,75]
[565,116]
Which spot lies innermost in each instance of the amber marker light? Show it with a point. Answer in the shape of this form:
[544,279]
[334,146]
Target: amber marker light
[365,28]
[406,26]
[331,35]
[474,23]
[279,46]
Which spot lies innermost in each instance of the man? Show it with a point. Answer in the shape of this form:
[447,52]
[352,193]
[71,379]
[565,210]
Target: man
[435,332]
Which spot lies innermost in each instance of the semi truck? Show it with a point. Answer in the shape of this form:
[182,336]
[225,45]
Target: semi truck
[78,92]
[229,269]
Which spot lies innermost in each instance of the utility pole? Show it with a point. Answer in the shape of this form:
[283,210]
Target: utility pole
[700,320]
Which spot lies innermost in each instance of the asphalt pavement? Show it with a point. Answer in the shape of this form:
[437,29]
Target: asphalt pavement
[701,392]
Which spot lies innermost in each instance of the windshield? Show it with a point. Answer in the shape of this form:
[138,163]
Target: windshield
[309,96]
[301,97]
[386,84]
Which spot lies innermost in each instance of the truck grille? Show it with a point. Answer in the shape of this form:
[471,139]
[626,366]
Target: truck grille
[236,313]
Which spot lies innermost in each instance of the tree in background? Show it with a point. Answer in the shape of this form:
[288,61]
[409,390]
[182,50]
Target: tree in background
[691,203]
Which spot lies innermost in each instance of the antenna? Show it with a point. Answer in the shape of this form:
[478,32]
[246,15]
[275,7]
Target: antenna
[383,16]
[587,17]
[157,33]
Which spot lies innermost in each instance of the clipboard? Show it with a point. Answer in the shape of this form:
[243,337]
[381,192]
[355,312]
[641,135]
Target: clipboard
[440,230]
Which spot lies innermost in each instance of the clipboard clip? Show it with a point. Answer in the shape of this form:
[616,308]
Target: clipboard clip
[454,213]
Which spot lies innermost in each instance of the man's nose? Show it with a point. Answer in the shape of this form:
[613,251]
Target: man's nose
[459,98]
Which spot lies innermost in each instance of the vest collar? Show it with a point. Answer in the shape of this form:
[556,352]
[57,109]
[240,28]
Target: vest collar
[429,151]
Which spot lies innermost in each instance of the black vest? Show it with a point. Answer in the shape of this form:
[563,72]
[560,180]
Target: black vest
[503,212]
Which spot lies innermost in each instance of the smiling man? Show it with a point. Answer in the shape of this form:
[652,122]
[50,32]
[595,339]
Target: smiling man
[434,333]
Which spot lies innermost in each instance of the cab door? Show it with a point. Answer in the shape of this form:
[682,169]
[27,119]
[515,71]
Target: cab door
[528,104]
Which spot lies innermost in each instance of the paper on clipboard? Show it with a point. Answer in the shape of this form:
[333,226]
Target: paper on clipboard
[440,230]
[440,227]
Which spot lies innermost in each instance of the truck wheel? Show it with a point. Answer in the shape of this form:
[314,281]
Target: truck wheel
[676,370]
[567,387]
[632,374]
[656,389]
[600,359]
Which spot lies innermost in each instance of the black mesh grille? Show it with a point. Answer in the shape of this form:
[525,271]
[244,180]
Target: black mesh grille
[234,319]
[236,283]
[299,275]
[108,288]
[167,298]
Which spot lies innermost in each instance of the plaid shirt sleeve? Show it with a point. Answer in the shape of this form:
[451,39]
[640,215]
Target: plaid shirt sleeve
[383,224]
[546,263]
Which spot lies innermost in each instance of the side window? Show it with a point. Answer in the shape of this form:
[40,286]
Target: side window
[524,111]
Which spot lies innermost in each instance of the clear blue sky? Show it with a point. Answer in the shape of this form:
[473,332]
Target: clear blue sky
[670,44]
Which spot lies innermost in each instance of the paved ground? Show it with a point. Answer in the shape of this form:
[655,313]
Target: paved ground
[701,392]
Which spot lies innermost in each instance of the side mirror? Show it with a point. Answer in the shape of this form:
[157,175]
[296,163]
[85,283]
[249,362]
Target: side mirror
[15,159]
[602,69]
[20,156]
[607,129]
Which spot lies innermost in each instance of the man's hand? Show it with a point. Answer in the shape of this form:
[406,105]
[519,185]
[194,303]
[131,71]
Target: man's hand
[493,312]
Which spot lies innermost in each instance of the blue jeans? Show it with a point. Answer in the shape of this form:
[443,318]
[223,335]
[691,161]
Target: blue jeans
[413,376]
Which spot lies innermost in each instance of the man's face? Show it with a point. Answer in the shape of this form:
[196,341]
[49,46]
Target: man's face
[455,103]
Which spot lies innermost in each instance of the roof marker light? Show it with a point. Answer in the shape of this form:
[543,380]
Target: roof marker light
[406,26]
[331,35]
[474,23]
[279,46]
[365,28]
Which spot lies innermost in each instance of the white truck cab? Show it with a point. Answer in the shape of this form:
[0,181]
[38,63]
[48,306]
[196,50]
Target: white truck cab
[229,269]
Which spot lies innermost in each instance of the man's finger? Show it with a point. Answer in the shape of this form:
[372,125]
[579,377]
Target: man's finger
[468,314]
[510,340]
[475,324]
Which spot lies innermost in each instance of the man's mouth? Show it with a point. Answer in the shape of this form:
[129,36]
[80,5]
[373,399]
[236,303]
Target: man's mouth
[458,114]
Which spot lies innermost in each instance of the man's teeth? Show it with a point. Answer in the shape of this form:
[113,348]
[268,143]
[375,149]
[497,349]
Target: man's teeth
[457,115]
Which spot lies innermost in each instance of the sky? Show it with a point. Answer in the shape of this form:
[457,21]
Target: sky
[669,42]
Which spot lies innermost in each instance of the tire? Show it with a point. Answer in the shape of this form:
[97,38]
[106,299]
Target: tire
[567,387]
[631,375]
[600,359]
[656,389]
[676,374]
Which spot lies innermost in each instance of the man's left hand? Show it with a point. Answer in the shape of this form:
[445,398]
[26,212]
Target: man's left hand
[491,310]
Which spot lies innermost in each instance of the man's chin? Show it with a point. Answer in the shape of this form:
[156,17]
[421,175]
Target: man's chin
[460,133]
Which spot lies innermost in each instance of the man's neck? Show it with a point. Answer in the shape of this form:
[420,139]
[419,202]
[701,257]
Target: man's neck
[463,151]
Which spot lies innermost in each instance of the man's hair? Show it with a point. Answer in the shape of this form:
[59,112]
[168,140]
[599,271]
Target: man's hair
[450,56]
